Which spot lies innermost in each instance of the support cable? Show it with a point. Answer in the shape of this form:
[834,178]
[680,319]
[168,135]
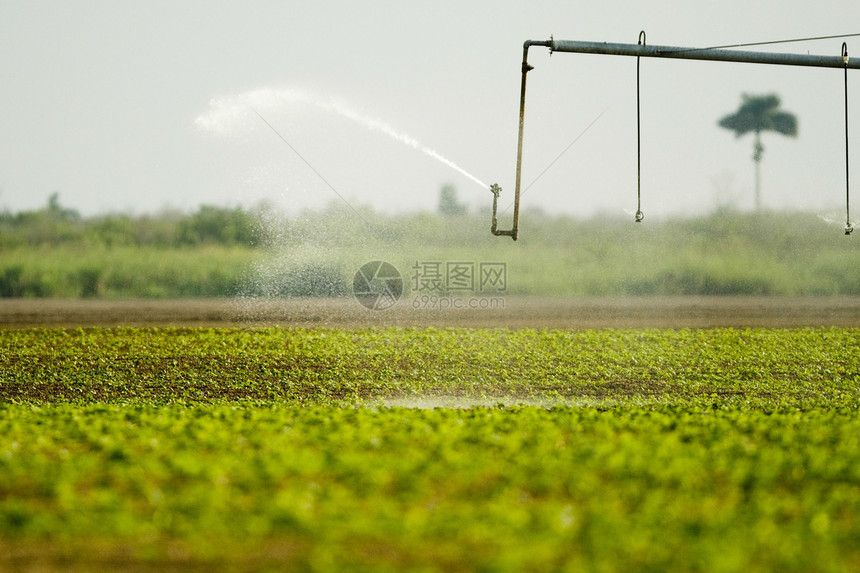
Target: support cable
[318,174]
[773,42]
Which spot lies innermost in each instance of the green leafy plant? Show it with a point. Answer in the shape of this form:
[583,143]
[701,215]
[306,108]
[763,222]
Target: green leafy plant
[273,449]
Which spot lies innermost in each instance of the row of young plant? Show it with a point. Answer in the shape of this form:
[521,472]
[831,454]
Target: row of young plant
[254,449]
[755,368]
[241,487]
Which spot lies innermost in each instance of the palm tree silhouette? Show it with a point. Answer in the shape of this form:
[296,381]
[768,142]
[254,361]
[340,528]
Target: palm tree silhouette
[760,113]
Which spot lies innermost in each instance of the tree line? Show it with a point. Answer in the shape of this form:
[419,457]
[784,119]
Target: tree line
[55,225]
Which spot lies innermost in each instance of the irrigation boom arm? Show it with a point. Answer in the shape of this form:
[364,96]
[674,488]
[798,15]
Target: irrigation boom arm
[641,50]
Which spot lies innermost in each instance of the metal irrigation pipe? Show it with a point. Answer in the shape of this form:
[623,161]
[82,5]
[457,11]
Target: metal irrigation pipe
[645,51]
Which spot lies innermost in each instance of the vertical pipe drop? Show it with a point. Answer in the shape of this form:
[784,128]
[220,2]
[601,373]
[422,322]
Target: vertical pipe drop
[495,189]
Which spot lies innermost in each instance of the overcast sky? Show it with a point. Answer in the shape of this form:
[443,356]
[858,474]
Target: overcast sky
[138,106]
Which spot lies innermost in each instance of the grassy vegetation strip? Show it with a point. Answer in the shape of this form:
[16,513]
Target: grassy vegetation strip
[501,489]
[755,367]
[149,272]
[219,252]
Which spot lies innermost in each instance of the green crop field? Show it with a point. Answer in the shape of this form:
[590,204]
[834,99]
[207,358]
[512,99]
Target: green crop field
[294,449]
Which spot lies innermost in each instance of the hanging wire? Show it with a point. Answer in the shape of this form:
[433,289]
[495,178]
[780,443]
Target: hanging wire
[557,157]
[848,226]
[768,43]
[639,214]
[318,174]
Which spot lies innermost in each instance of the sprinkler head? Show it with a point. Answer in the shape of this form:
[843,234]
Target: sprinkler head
[495,189]
[849,228]
[639,216]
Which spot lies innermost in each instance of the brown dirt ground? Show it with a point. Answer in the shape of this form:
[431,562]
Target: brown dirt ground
[518,312]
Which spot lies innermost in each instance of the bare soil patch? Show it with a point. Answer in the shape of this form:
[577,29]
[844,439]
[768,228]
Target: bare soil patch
[517,312]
